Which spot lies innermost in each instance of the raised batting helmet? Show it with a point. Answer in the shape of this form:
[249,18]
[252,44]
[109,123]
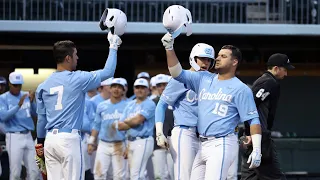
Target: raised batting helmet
[115,20]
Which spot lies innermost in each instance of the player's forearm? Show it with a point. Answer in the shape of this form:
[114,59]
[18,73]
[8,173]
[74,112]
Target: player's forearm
[256,136]
[122,126]
[134,121]
[93,137]
[110,66]
[174,65]
[41,124]
[160,111]
[7,114]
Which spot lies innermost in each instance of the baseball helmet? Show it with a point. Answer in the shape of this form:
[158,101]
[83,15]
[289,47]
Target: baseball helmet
[175,18]
[201,50]
[115,20]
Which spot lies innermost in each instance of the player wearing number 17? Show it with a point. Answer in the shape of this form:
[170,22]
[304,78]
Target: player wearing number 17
[223,102]
[60,107]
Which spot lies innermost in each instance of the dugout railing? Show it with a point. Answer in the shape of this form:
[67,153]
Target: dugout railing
[203,11]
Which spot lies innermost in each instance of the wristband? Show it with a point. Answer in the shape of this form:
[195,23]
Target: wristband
[117,125]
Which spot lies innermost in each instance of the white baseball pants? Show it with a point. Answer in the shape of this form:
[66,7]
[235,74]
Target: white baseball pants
[86,156]
[183,146]
[160,164]
[214,158]
[140,151]
[110,154]
[20,148]
[63,156]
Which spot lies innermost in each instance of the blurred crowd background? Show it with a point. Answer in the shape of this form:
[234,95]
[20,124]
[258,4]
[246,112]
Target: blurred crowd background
[28,29]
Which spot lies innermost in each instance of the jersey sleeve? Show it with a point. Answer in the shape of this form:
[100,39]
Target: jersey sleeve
[190,79]
[172,92]
[41,111]
[148,109]
[88,80]
[263,91]
[245,104]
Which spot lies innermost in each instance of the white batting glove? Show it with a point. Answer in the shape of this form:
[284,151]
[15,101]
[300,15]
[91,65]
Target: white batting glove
[114,41]
[255,156]
[162,140]
[167,41]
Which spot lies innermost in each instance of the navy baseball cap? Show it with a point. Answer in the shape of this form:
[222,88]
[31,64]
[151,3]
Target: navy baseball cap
[280,60]
[3,80]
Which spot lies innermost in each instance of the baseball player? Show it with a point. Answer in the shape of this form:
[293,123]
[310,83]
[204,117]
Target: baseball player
[159,158]
[184,143]
[104,94]
[144,75]
[88,118]
[111,143]
[16,111]
[60,107]
[223,102]
[138,120]
[266,90]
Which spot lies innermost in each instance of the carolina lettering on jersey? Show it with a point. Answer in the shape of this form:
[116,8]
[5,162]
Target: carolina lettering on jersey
[215,96]
[111,116]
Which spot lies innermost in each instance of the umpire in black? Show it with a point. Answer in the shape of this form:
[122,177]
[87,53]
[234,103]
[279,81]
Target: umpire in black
[266,91]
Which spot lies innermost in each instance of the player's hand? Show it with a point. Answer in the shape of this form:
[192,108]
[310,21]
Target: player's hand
[167,41]
[255,158]
[125,153]
[114,41]
[162,140]
[22,99]
[91,148]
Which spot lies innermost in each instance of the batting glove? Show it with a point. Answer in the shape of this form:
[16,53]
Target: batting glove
[167,41]
[255,158]
[162,140]
[114,41]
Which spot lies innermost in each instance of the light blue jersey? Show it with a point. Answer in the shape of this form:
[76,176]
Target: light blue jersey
[88,117]
[16,118]
[61,97]
[106,114]
[183,101]
[96,100]
[222,104]
[147,110]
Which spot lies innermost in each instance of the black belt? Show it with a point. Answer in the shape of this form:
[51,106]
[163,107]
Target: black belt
[203,139]
[130,138]
[21,132]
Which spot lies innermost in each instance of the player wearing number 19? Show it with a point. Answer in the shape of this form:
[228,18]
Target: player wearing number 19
[60,107]
[16,108]
[223,102]
[266,91]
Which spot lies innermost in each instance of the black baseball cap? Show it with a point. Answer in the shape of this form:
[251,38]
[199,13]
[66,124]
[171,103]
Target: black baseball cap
[280,60]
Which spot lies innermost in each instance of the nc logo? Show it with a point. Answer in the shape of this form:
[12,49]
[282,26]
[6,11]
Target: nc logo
[208,51]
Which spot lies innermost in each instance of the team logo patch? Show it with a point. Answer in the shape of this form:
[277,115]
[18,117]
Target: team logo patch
[208,51]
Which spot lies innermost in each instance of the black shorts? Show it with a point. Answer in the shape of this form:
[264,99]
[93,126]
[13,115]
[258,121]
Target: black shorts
[269,168]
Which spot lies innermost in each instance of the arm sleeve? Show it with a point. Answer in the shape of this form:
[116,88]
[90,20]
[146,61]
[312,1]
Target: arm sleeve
[92,80]
[190,79]
[160,111]
[34,108]
[262,91]
[5,113]
[42,118]
[245,104]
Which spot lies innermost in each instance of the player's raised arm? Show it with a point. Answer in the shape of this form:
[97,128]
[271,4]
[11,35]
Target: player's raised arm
[7,113]
[248,112]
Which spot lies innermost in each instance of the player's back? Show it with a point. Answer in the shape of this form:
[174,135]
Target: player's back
[63,96]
